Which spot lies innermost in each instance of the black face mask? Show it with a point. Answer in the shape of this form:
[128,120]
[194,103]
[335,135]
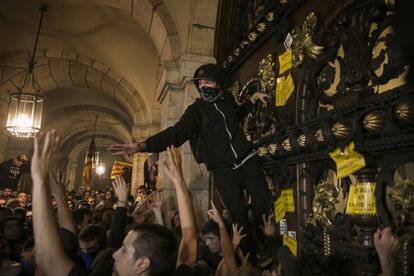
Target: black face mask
[210,94]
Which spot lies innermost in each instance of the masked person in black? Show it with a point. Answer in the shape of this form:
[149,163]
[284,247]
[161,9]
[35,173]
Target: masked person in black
[215,119]
[11,170]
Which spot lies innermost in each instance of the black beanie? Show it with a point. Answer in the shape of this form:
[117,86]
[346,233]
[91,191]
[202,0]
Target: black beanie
[210,71]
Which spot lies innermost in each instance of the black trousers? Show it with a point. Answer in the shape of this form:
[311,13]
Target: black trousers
[230,185]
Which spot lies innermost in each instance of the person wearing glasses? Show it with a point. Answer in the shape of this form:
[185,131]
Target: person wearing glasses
[11,170]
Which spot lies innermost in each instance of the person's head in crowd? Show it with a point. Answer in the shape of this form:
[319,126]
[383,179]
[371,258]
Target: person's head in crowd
[144,217]
[7,192]
[108,195]
[21,159]
[13,203]
[175,219]
[103,263]
[29,199]
[141,193]
[5,211]
[148,249]
[11,228]
[82,204]
[70,245]
[211,236]
[98,196]
[106,217]
[86,194]
[3,201]
[92,239]
[91,201]
[22,197]
[21,213]
[70,204]
[82,217]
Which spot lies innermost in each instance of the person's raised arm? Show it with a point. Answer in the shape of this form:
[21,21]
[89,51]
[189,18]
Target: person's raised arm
[119,220]
[187,252]
[387,246]
[49,252]
[57,186]
[155,204]
[226,244]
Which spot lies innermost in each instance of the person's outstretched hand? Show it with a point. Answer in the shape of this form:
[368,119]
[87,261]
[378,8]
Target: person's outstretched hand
[121,189]
[237,235]
[173,167]
[129,148]
[386,244]
[269,228]
[215,215]
[260,96]
[45,148]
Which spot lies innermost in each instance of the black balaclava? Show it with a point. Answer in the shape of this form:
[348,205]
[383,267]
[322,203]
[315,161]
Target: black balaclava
[210,72]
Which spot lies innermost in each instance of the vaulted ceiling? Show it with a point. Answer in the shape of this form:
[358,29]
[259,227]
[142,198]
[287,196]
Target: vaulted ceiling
[95,58]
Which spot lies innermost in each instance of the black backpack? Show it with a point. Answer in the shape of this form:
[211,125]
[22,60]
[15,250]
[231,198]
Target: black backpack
[196,140]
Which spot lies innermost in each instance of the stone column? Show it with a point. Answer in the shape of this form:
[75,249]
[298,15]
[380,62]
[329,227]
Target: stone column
[138,160]
[3,146]
[71,171]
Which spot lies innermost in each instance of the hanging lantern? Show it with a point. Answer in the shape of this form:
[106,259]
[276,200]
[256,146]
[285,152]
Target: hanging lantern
[24,118]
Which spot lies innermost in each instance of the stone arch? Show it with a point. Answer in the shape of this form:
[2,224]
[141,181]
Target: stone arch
[62,69]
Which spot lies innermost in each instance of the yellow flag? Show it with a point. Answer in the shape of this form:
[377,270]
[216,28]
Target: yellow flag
[348,161]
[285,61]
[291,244]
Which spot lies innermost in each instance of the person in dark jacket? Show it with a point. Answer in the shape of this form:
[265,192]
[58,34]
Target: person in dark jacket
[226,151]
[11,170]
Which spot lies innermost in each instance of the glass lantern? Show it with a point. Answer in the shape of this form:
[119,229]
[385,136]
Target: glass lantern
[24,118]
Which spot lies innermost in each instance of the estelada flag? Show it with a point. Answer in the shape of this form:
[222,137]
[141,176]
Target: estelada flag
[119,167]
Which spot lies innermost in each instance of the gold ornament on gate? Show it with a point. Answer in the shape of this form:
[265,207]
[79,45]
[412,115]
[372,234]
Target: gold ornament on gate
[341,130]
[302,41]
[270,16]
[262,151]
[261,27]
[267,73]
[252,36]
[404,111]
[302,140]
[319,136]
[286,145]
[374,121]
[272,148]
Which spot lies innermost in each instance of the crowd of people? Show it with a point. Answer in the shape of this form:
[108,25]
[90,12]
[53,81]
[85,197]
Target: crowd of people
[56,232]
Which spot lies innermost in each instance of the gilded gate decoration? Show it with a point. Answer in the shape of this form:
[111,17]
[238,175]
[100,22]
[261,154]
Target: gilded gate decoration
[349,76]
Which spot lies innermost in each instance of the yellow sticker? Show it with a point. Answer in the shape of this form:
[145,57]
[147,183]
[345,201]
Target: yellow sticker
[361,199]
[289,202]
[348,161]
[279,209]
[285,61]
[291,244]
[284,88]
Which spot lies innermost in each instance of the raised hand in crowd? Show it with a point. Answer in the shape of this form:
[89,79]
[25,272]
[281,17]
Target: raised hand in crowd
[269,226]
[387,246]
[237,235]
[155,204]
[229,264]
[122,190]
[187,252]
[50,256]
[58,185]
[128,148]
